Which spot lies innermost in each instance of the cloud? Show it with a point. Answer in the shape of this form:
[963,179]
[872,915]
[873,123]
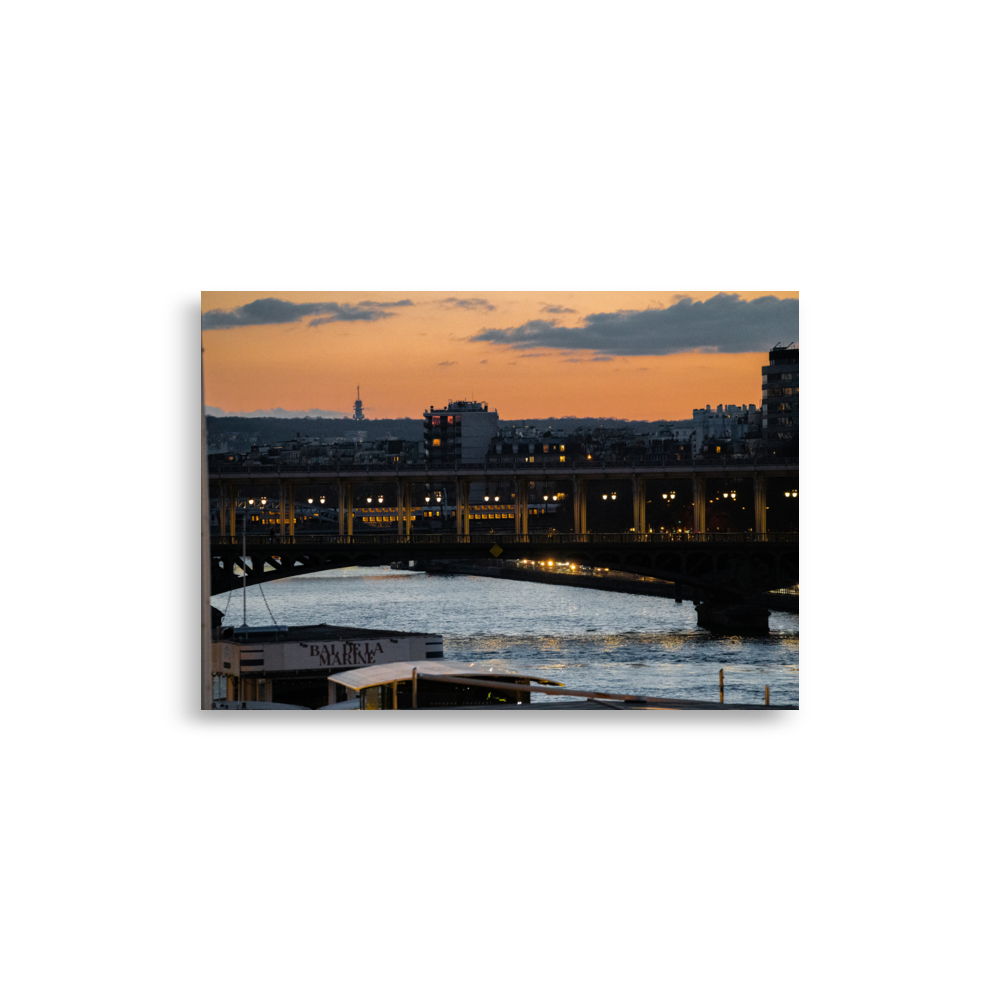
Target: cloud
[723,323]
[442,364]
[557,309]
[267,312]
[480,304]
[484,362]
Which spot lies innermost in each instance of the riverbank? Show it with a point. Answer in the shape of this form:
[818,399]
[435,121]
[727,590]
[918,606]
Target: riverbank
[617,582]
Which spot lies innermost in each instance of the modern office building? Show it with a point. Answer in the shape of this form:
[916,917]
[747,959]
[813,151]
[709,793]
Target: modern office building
[780,391]
[459,434]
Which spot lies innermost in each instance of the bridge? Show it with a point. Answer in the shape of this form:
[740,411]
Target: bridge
[728,567]
[289,485]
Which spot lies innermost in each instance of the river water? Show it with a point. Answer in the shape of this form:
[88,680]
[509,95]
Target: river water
[589,640]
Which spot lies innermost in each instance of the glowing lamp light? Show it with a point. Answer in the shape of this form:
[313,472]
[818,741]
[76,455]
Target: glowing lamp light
[310,500]
[369,500]
[664,496]
[787,494]
[250,501]
[496,498]
[604,497]
[427,499]
[322,499]
[545,497]
[614,496]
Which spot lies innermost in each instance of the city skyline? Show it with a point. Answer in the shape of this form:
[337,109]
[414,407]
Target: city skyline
[629,355]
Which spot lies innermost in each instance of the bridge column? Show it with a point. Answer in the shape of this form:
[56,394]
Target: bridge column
[461,510]
[347,507]
[291,509]
[639,504]
[340,508]
[400,511]
[760,504]
[700,484]
[408,506]
[522,507]
[583,506]
[281,509]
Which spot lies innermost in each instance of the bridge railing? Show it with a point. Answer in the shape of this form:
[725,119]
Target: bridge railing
[736,463]
[563,538]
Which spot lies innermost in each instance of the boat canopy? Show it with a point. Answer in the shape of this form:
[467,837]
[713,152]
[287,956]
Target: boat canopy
[402,670]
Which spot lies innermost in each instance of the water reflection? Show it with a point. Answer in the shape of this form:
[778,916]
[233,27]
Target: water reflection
[591,639]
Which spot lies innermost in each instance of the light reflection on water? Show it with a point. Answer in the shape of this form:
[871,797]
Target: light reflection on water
[587,639]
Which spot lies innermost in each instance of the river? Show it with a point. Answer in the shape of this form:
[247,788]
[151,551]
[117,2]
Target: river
[586,639]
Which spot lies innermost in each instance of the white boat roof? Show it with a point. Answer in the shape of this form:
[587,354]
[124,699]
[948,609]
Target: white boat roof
[402,670]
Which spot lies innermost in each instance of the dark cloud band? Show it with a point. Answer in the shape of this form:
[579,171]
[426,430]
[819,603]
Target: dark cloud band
[724,323]
[267,312]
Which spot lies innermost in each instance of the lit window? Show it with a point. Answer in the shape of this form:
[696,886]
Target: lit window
[562,458]
[451,420]
[435,421]
[562,447]
[437,442]
[545,448]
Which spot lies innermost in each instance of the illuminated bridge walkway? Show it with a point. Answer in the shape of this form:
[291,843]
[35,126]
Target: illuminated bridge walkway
[242,493]
[726,566]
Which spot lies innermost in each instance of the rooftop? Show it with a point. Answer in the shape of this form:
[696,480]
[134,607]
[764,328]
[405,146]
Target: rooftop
[315,633]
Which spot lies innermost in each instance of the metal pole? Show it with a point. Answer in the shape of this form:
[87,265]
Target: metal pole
[244,567]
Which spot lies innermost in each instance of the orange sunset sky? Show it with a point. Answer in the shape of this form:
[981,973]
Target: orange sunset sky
[634,355]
